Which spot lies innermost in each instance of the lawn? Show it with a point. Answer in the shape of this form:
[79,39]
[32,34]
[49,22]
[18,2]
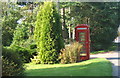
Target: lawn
[97,52]
[93,67]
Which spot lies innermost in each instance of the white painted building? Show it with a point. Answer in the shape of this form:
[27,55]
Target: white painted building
[117,40]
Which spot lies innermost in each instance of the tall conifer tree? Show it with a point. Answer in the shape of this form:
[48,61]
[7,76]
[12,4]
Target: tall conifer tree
[48,33]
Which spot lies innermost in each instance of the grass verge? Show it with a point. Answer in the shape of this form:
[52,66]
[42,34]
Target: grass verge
[93,67]
[112,48]
[102,51]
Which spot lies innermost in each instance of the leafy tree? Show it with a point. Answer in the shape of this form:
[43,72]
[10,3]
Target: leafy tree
[103,20]
[48,33]
[23,35]
[9,23]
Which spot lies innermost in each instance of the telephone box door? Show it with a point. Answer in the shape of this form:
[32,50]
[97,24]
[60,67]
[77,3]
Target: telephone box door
[82,36]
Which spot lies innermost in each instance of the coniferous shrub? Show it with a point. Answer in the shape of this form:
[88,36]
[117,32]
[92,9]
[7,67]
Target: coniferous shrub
[21,42]
[20,35]
[48,33]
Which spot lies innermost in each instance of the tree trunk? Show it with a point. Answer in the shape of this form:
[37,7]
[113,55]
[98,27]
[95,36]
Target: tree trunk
[65,30]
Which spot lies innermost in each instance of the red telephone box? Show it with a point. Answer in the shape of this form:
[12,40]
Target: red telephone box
[82,35]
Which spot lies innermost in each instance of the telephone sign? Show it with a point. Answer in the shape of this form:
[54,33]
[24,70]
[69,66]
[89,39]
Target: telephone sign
[82,35]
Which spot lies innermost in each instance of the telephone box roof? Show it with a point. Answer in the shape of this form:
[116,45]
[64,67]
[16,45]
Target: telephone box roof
[82,25]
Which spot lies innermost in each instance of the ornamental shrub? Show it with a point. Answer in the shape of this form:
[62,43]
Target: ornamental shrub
[47,33]
[71,54]
[24,53]
[12,64]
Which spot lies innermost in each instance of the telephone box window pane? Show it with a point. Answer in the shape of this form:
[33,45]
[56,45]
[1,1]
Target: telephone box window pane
[83,48]
[81,28]
[83,53]
[82,36]
[83,43]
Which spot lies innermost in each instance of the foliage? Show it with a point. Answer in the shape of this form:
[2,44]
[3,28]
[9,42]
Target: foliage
[33,46]
[20,35]
[48,33]
[25,8]
[12,64]
[23,35]
[9,68]
[9,23]
[102,18]
[35,60]
[24,53]
[71,54]
[22,42]
[112,48]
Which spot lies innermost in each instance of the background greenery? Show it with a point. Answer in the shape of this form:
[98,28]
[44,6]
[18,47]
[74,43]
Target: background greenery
[51,30]
[103,18]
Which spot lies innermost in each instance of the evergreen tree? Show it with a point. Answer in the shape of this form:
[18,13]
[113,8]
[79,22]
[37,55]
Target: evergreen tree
[48,33]
[20,35]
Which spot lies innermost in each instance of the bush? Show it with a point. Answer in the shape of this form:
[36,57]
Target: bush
[35,60]
[33,47]
[12,64]
[25,53]
[70,54]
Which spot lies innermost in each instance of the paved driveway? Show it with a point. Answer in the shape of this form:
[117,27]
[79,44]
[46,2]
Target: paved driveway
[113,57]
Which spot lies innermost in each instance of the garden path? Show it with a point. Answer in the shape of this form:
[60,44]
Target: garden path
[113,57]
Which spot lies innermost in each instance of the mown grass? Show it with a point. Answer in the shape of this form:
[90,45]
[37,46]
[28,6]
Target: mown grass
[93,67]
[102,51]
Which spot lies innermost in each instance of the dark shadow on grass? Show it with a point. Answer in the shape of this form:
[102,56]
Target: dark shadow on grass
[78,70]
[112,58]
[60,77]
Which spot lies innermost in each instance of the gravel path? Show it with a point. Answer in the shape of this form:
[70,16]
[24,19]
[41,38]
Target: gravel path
[113,57]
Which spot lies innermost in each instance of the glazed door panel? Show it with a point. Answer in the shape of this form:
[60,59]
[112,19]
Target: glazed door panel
[82,40]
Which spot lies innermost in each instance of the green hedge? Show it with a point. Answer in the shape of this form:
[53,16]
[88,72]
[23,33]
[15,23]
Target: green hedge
[25,53]
[12,64]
